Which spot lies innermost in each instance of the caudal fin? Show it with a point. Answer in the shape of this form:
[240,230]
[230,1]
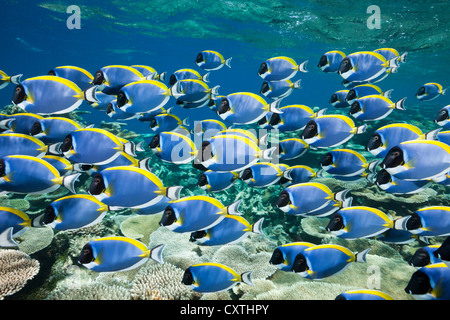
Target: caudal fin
[228,62]
[257,226]
[362,256]
[90,96]
[69,181]
[6,239]
[173,193]
[400,104]
[156,253]
[246,278]
[302,66]
[233,208]
[15,79]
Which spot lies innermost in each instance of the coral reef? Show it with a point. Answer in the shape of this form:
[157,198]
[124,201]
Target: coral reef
[16,268]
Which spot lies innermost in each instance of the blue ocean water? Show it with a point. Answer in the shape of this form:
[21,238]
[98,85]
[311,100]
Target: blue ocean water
[167,35]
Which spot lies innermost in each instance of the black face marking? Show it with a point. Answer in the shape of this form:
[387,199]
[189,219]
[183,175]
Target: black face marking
[422,90]
[19,94]
[49,215]
[247,174]
[52,73]
[155,142]
[351,95]
[383,177]
[300,264]
[36,128]
[442,115]
[420,258]
[374,142]
[224,106]
[393,159]
[414,222]
[66,144]
[336,223]
[355,107]
[99,78]
[345,66]
[172,80]
[121,99]
[86,255]
[283,199]
[197,235]
[277,257]
[199,58]
[264,87]
[2,168]
[97,185]
[323,61]
[263,68]
[168,217]
[202,180]
[275,119]
[310,130]
[327,160]
[334,98]
[418,284]
[188,279]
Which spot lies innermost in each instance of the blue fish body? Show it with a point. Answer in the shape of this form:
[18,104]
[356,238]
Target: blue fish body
[192,91]
[21,122]
[263,174]
[195,213]
[363,90]
[150,72]
[77,211]
[144,96]
[397,236]
[174,148]
[51,95]
[61,164]
[55,129]
[332,130]
[218,181]
[94,146]
[81,77]
[391,53]
[292,148]
[434,222]
[444,136]
[13,223]
[338,100]
[299,174]
[392,135]
[232,229]
[21,144]
[430,91]
[374,107]
[438,276]
[232,153]
[344,162]
[443,118]
[26,174]
[365,66]
[279,89]
[280,68]
[328,260]
[331,60]
[288,253]
[130,187]
[294,118]
[103,100]
[422,160]
[361,222]
[107,258]
[114,77]
[309,197]
[364,294]
[245,108]
[166,122]
[187,73]
[116,113]
[399,186]
[214,277]
[212,60]
[209,127]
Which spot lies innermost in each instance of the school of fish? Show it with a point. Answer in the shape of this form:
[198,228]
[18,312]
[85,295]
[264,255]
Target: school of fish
[42,150]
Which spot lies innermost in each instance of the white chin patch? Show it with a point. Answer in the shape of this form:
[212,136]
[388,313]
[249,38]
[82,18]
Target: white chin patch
[396,170]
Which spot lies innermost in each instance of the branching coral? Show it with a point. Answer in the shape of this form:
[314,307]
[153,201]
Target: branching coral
[16,268]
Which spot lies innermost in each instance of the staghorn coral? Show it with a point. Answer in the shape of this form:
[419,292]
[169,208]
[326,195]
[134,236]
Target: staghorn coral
[16,268]
[161,282]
